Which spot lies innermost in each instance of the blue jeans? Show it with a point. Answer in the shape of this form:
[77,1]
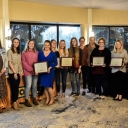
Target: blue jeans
[77,77]
[31,81]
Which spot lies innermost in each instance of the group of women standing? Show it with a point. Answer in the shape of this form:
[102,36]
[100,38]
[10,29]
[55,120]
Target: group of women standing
[96,77]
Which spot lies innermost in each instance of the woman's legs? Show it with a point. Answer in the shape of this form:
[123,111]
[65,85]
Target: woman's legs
[14,85]
[84,76]
[57,77]
[72,83]
[64,77]
[47,96]
[77,83]
[51,97]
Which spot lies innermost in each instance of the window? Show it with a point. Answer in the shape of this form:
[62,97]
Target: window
[42,32]
[21,31]
[102,32]
[111,34]
[67,32]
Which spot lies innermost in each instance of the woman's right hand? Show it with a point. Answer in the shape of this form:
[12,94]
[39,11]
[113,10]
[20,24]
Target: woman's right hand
[15,76]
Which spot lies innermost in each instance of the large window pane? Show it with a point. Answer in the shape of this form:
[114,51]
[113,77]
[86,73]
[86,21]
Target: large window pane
[21,31]
[67,32]
[102,32]
[41,33]
[119,33]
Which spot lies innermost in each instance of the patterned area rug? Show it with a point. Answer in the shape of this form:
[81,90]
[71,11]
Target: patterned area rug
[71,112]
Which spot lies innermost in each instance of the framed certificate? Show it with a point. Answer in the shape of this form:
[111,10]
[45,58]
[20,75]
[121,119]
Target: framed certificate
[98,61]
[41,67]
[66,61]
[116,62]
[58,60]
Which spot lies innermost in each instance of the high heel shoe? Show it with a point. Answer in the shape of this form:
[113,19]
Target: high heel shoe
[40,99]
[120,99]
[15,107]
[47,102]
[51,102]
[18,105]
[1,110]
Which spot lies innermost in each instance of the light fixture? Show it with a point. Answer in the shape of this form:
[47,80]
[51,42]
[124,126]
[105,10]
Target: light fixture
[91,33]
[9,35]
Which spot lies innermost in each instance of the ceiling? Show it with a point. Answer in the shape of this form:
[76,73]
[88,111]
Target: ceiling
[99,4]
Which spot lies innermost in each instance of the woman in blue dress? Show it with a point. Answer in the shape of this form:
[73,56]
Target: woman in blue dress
[47,79]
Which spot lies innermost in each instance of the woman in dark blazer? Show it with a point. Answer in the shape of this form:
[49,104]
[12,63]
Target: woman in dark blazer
[100,73]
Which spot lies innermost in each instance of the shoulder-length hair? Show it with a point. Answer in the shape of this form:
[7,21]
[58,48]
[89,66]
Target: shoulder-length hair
[47,41]
[12,46]
[27,49]
[0,45]
[121,49]
[103,39]
[64,50]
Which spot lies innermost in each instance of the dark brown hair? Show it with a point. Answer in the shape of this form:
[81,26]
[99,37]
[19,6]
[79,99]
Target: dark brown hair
[12,46]
[81,38]
[27,49]
[0,44]
[47,41]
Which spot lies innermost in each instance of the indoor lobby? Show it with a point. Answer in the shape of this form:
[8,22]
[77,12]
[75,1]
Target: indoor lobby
[42,20]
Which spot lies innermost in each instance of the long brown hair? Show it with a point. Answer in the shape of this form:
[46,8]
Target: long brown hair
[12,46]
[0,45]
[27,49]
[47,41]
[71,54]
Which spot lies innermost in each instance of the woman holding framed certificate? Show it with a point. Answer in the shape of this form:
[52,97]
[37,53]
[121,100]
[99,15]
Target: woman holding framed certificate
[76,53]
[15,71]
[99,60]
[29,57]
[62,70]
[118,72]
[47,78]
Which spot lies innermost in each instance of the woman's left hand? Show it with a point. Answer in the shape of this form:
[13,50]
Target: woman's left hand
[79,70]
[49,69]
[2,71]
[122,64]
[104,65]
[21,74]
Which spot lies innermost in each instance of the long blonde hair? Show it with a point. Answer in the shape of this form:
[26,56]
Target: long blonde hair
[64,50]
[27,49]
[121,49]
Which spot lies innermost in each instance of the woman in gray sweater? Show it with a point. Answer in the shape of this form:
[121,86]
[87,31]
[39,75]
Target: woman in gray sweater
[119,72]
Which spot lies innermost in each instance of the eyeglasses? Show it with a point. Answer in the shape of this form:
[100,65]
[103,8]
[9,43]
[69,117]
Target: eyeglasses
[101,42]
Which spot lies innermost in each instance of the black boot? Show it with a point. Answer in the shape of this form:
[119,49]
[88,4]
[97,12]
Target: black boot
[27,103]
[35,101]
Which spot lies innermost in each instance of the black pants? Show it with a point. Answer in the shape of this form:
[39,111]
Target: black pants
[63,73]
[118,80]
[101,81]
[84,75]
[14,85]
[90,81]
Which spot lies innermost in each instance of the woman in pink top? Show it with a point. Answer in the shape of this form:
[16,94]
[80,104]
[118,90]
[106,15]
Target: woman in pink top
[29,57]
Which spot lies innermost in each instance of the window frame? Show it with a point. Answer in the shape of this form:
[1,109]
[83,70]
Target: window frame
[52,24]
